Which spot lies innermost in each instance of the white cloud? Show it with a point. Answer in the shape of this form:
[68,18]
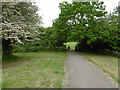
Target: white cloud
[110,4]
[49,10]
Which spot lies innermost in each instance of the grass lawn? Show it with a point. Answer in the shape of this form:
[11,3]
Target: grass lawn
[108,64]
[43,69]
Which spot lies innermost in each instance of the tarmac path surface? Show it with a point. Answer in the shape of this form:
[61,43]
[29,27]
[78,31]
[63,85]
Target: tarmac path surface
[83,74]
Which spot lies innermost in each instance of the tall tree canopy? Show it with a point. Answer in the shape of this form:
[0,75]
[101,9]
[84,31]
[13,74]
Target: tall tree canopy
[86,22]
[19,22]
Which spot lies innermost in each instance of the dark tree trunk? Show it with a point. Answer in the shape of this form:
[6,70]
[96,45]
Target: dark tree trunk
[6,49]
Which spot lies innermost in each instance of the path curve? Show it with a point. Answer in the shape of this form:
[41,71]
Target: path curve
[82,74]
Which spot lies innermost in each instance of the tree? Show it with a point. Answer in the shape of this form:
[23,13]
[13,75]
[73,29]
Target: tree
[19,21]
[80,21]
[50,39]
[113,29]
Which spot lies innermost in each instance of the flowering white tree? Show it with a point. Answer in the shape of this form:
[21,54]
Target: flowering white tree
[19,22]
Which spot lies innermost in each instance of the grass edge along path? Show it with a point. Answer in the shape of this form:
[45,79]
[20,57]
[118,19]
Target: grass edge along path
[43,69]
[96,58]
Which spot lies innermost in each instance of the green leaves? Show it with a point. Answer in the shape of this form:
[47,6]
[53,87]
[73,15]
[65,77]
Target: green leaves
[87,22]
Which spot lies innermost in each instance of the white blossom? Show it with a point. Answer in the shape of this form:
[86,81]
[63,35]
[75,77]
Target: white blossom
[14,25]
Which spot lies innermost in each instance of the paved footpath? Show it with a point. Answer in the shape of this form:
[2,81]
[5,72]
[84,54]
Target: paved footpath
[82,74]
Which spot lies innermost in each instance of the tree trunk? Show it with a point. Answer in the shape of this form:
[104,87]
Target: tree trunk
[6,49]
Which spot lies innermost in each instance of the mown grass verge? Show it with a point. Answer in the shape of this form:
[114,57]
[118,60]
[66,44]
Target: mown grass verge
[43,69]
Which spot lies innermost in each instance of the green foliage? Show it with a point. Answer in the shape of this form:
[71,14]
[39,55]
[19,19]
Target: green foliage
[19,22]
[51,39]
[83,22]
[27,48]
[87,23]
[75,20]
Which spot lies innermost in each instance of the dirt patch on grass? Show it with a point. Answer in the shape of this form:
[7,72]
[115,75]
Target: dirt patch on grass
[14,63]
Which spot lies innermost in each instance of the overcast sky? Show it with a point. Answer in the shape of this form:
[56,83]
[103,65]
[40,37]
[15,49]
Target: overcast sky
[49,9]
